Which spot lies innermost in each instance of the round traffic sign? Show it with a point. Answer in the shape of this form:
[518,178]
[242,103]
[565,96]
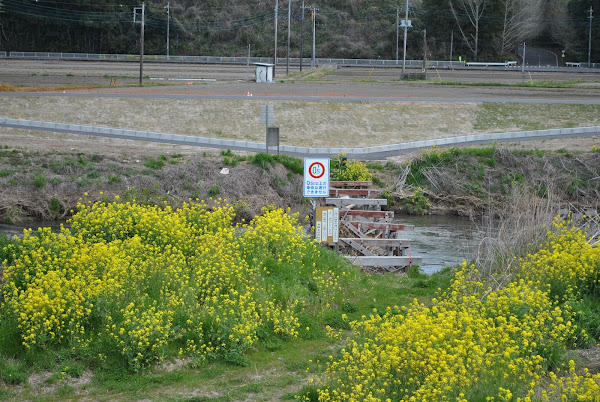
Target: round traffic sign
[316,170]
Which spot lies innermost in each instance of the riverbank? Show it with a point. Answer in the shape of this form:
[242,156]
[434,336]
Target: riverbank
[468,181]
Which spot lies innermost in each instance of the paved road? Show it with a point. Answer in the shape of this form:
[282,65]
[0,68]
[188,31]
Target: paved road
[593,99]
[230,82]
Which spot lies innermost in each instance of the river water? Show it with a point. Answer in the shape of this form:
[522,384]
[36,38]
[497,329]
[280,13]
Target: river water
[11,230]
[442,241]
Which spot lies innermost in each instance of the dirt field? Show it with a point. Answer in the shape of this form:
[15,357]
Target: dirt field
[177,104]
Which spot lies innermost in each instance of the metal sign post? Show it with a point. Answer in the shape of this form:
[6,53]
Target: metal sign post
[142,10]
[267,117]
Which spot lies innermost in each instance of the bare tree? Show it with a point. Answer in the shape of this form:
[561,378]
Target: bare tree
[558,26]
[522,20]
[473,10]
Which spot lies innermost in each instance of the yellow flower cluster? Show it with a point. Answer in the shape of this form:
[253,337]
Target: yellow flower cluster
[475,342]
[568,263]
[573,386]
[149,279]
[350,170]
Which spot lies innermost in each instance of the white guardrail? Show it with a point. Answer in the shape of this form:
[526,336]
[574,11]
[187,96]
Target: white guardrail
[220,60]
[377,152]
[280,61]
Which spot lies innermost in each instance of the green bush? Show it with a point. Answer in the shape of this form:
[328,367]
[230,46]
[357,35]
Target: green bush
[418,204]
[39,181]
[154,163]
[213,191]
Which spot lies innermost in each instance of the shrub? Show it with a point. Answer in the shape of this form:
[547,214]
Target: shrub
[349,170]
[154,163]
[143,282]
[418,204]
[39,181]
[213,191]
[479,341]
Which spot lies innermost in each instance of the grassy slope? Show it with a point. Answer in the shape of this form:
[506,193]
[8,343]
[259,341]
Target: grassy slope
[357,123]
[271,375]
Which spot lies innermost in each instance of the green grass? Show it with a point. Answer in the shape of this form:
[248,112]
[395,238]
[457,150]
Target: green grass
[275,370]
[527,84]
[13,371]
[154,163]
[114,179]
[588,314]
[375,166]
[213,191]
[264,161]
[39,181]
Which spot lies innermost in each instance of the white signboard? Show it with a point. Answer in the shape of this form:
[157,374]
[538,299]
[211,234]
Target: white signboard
[316,177]
[327,224]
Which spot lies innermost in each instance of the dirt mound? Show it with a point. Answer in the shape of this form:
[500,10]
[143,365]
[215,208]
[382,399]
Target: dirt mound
[48,186]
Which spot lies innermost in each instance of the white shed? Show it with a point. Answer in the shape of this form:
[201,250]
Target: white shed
[264,72]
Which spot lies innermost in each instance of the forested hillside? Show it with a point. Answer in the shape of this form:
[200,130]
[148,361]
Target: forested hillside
[477,29]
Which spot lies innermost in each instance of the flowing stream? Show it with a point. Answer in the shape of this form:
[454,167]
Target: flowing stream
[442,241]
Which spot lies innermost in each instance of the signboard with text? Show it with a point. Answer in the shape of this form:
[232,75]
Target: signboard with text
[316,177]
[327,224]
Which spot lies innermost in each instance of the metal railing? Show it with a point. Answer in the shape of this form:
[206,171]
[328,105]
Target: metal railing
[220,60]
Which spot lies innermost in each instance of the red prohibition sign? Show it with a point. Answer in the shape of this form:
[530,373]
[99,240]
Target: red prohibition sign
[318,167]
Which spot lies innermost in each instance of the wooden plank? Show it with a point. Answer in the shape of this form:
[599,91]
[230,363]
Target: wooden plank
[385,215]
[381,226]
[354,192]
[351,228]
[356,246]
[377,242]
[385,261]
[350,183]
[356,201]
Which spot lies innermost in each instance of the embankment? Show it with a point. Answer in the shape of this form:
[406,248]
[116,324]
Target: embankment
[470,181]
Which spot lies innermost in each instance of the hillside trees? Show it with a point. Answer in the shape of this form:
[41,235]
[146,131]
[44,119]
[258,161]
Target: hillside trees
[481,29]
[578,13]
[468,15]
[521,20]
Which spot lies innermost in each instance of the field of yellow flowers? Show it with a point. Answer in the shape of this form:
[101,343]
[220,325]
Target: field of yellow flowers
[479,340]
[138,285]
[147,282]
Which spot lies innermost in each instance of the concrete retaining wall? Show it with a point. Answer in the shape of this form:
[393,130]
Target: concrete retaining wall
[377,152]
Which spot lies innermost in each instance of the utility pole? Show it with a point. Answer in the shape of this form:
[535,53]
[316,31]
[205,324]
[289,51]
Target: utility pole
[302,38]
[287,65]
[405,24]
[168,7]
[142,43]
[590,39]
[397,31]
[275,54]
[314,21]
[1,30]
[248,65]
[135,11]
[424,50]
[523,66]
[451,44]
